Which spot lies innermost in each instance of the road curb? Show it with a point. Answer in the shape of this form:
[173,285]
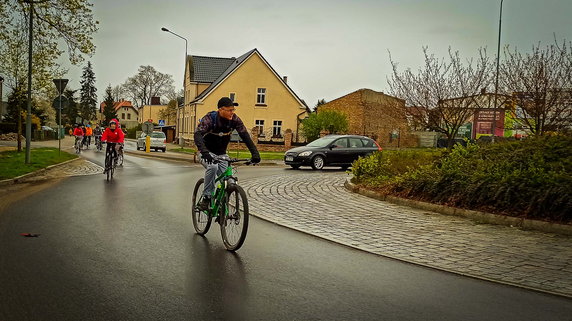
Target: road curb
[478,216]
[19,179]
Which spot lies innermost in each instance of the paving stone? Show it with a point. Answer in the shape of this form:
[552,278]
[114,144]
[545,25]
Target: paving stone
[319,204]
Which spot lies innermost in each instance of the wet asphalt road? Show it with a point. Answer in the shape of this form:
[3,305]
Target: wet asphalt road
[126,250]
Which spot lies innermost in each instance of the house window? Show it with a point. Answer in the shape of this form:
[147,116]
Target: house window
[232,96]
[260,126]
[122,115]
[128,116]
[277,129]
[261,96]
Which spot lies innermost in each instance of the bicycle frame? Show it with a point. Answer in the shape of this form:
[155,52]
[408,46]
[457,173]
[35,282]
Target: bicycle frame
[218,194]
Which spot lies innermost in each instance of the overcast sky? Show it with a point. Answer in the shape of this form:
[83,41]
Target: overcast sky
[327,48]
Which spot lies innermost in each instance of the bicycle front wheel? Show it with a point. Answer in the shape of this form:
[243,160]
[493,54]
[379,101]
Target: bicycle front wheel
[201,219]
[109,167]
[235,223]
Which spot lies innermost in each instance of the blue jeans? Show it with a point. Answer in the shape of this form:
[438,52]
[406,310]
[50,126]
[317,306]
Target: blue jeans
[212,172]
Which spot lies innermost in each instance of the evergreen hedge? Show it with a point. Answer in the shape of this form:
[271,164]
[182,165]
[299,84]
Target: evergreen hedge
[530,178]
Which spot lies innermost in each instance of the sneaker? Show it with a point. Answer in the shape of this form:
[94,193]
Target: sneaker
[204,204]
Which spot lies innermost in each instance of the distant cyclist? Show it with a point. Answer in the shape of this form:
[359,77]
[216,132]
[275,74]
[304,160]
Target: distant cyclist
[78,133]
[114,137]
[212,137]
[97,132]
[88,134]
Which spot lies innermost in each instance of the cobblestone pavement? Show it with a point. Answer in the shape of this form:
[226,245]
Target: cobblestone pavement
[78,167]
[319,204]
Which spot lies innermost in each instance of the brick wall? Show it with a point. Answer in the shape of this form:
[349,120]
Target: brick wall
[376,115]
[262,147]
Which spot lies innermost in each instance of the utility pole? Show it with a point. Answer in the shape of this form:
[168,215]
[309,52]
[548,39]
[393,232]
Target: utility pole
[497,77]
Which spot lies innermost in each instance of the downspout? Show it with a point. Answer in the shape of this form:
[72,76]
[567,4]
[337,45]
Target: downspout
[298,123]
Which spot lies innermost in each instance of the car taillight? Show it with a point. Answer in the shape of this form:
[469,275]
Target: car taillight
[378,147]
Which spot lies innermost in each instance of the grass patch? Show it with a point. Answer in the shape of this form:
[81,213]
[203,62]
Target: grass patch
[240,154]
[12,163]
[183,150]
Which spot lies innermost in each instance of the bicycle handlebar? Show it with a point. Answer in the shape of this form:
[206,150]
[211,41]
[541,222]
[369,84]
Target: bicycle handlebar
[246,161]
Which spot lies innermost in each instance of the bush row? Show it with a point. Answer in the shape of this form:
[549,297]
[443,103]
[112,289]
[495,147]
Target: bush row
[531,178]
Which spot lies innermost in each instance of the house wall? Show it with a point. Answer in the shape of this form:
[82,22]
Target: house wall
[152,112]
[128,117]
[374,114]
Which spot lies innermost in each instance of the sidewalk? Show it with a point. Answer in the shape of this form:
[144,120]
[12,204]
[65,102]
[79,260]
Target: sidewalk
[317,203]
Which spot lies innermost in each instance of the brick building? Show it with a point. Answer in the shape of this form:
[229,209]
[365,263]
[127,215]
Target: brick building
[374,114]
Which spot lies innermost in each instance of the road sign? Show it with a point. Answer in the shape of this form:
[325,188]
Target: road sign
[147,127]
[60,102]
[161,122]
[60,84]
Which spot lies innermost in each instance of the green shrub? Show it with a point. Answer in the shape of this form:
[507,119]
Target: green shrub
[381,167]
[531,178]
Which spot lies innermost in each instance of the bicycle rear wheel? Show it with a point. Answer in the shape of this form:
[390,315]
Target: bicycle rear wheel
[201,219]
[235,224]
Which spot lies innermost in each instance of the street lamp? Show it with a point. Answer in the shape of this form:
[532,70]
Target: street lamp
[29,109]
[184,91]
[497,76]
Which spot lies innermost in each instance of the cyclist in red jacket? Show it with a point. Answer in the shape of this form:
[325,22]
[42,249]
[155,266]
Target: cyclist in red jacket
[78,133]
[114,136]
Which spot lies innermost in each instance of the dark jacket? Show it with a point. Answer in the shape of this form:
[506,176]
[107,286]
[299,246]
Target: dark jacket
[213,134]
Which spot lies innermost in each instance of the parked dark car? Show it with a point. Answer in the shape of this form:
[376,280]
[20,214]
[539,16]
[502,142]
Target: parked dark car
[331,150]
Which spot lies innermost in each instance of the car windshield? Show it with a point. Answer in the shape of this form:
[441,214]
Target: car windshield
[322,142]
[157,135]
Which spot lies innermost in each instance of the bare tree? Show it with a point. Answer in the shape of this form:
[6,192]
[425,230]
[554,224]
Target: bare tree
[441,95]
[148,83]
[170,113]
[540,83]
[118,92]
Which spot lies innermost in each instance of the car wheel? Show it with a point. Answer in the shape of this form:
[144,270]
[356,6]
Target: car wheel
[295,166]
[164,150]
[318,162]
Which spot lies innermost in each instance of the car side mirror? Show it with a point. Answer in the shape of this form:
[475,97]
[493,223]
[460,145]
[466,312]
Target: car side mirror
[332,147]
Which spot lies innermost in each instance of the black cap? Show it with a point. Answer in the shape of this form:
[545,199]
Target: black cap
[226,102]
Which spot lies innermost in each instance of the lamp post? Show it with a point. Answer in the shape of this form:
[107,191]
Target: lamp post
[184,91]
[29,109]
[497,77]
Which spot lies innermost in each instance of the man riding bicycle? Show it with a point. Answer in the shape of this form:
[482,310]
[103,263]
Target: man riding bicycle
[114,137]
[212,137]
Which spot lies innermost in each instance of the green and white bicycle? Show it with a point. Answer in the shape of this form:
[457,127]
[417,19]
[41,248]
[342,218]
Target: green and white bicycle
[229,207]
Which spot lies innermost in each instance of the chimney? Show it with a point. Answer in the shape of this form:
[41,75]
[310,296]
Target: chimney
[155,101]
[285,79]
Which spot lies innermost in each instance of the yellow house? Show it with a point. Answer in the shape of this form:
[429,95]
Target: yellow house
[265,99]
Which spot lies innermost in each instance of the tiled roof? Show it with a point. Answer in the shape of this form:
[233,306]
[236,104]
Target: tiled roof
[208,69]
[117,105]
[234,63]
